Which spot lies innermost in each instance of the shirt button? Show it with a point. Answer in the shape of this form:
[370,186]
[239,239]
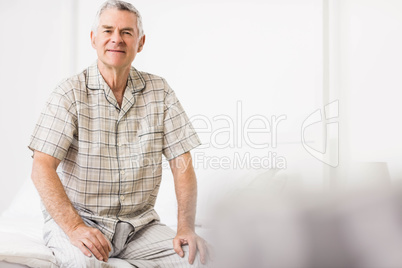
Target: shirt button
[122,197]
[119,144]
[122,172]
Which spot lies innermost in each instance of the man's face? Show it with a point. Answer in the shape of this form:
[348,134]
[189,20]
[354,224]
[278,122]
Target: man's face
[116,41]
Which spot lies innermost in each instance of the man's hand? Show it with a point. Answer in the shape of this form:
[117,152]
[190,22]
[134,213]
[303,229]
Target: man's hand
[194,242]
[90,240]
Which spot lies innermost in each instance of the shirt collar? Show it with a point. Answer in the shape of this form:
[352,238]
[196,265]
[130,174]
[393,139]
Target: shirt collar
[95,80]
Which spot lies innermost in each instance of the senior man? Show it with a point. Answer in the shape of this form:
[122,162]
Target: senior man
[98,149]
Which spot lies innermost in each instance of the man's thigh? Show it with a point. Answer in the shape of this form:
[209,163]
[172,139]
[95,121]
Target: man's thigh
[68,255]
[152,246]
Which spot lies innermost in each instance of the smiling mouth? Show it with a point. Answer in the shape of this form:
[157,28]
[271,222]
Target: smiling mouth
[118,51]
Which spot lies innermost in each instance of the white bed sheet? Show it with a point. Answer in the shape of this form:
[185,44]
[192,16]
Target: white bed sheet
[21,232]
[21,242]
[4,264]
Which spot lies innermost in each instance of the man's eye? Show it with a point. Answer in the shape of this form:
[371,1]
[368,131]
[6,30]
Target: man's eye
[107,31]
[127,33]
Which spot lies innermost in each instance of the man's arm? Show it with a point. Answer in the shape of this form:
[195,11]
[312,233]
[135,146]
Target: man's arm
[186,193]
[58,205]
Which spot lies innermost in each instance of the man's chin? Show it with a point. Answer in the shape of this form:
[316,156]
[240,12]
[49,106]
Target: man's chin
[115,64]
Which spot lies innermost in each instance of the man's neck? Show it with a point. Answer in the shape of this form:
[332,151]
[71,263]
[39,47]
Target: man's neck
[115,78]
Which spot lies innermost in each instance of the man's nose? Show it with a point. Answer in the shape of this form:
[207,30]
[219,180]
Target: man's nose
[116,37]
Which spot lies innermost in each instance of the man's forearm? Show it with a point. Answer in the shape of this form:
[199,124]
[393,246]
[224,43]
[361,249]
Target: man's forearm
[186,190]
[53,195]
[186,193]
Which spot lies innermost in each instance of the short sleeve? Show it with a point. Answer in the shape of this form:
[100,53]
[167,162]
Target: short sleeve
[56,127]
[179,134]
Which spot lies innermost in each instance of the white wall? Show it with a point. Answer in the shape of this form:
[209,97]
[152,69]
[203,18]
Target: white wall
[33,54]
[375,81]
[366,65]
[266,57]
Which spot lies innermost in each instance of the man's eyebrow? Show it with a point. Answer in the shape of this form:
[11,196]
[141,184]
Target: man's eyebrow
[107,26]
[128,29]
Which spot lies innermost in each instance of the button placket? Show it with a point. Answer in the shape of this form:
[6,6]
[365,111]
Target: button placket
[121,154]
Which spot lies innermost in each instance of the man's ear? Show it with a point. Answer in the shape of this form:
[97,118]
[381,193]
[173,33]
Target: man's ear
[141,44]
[93,37]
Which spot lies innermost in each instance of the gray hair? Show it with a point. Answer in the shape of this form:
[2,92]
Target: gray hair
[119,5]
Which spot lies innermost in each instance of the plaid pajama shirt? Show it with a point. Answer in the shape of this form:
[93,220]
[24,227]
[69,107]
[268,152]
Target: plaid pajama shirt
[111,156]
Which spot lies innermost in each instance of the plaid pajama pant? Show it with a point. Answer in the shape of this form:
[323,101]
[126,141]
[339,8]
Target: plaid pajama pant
[151,246]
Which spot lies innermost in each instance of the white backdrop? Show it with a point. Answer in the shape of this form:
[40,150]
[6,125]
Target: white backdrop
[228,61]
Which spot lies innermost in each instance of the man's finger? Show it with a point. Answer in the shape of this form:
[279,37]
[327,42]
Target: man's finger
[92,248]
[84,249]
[192,245]
[99,241]
[177,247]
[102,250]
[105,245]
[203,250]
